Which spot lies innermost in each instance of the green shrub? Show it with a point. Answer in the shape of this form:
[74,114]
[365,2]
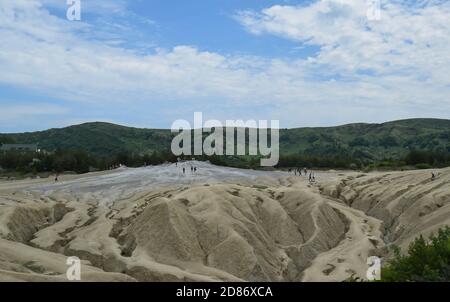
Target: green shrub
[425,261]
[423,166]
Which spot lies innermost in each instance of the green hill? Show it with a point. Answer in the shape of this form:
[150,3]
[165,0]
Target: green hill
[366,142]
[370,141]
[96,138]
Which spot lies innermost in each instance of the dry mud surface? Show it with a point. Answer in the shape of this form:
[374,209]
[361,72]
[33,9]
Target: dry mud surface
[219,224]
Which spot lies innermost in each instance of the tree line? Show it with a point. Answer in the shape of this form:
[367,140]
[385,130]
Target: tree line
[79,161]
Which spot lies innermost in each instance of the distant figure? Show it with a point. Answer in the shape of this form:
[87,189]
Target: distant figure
[195,169]
[56,177]
[310,177]
[433,176]
[314,177]
[176,165]
[306,171]
[184,170]
[295,172]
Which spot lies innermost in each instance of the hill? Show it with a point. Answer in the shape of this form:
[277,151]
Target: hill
[96,138]
[365,142]
[370,141]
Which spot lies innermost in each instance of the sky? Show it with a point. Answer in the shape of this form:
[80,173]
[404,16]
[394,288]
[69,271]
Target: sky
[147,63]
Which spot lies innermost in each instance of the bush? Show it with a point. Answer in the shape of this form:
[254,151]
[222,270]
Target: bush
[425,261]
[423,166]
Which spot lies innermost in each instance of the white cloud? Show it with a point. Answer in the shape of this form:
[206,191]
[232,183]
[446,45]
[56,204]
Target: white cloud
[399,63]
[407,40]
[22,112]
[401,59]
[45,53]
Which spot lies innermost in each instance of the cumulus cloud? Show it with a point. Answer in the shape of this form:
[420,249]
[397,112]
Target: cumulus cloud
[46,53]
[401,58]
[397,64]
[407,40]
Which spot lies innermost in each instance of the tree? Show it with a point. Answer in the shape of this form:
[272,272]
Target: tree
[388,141]
[359,141]
[6,140]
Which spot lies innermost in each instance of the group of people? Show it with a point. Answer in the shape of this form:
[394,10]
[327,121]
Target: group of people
[193,169]
[300,172]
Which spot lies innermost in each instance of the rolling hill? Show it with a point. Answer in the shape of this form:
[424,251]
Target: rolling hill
[368,142]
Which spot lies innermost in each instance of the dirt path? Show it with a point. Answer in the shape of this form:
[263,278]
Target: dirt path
[350,256]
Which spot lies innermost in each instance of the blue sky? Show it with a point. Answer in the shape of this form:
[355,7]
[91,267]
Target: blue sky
[147,63]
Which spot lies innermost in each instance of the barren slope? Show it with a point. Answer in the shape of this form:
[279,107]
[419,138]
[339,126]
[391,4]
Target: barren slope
[157,224]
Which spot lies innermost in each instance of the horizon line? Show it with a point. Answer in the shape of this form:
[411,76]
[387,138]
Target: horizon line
[169,129]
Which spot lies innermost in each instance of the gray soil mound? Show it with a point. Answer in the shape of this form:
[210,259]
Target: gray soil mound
[219,224]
